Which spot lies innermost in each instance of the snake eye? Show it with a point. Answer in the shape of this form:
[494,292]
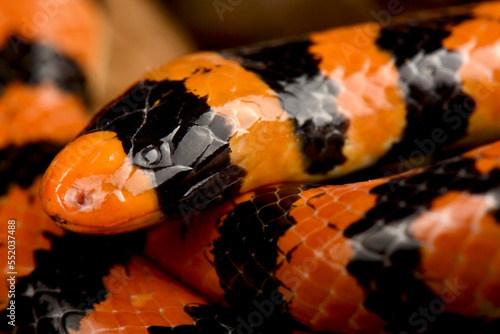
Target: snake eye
[149,156]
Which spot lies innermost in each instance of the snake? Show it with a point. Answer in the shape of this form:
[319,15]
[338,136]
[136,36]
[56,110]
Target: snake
[346,181]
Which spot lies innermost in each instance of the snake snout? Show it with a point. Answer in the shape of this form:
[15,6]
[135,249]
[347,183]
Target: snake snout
[93,187]
[85,201]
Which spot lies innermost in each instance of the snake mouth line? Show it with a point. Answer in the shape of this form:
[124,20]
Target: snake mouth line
[58,220]
[134,224]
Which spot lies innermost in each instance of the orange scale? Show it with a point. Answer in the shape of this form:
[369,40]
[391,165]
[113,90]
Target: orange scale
[437,265]
[310,193]
[467,276]
[302,311]
[339,312]
[326,274]
[446,199]
[495,268]
[344,219]
[167,299]
[320,237]
[9,211]
[132,330]
[330,209]
[132,286]
[154,318]
[350,196]
[104,320]
[301,212]
[176,317]
[280,258]
[156,283]
[24,253]
[145,287]
[492,150]
[301,256]
[347,289]
[326,322]
[27,114]
[480,248]
[118,303]
[451,240]
[129,318]
[335,191]
[144,303]
[287,294]
[486,165]
[311,293]
[29,216]
[339,251]
[43,243]
[29,238]
[423,228]
[490,226]
[363,203]
[320,201]
[289,241]
[306,226]
[290,276]
[491,290]
[225,82]
[481,153]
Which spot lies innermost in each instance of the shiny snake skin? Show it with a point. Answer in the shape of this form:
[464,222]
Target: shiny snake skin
[223,151]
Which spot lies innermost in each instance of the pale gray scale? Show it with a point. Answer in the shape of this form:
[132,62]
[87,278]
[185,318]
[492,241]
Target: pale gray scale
[152,156]
[214,146]
[311,99]
[221,127]
[385,240]
[192,146]
[206,118]
[168,173]
[435,74]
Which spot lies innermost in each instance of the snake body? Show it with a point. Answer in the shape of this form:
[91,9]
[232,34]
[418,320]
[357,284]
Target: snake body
[223,148]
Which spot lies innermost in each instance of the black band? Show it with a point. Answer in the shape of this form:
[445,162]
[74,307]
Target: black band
[67,282]
[305,94]
[430,81]
[21,165]
[246,255]
[386,255]
[35,63]
[190,143]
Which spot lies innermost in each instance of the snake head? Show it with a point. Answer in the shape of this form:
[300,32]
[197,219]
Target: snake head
[155,153]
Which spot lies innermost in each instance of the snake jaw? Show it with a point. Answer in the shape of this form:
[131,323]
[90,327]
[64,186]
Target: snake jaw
[93,187]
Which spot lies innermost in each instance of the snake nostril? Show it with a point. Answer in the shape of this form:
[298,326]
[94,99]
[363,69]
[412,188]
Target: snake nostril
[78,198]
[81,198]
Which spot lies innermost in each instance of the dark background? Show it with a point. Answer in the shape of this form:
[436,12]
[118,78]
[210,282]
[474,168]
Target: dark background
[226,23]
[144,34]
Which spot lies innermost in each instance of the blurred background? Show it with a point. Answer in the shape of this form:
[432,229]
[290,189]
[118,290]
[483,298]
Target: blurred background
[147,33]
[223,23]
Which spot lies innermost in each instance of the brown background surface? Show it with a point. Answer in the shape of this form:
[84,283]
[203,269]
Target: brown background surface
[146,33]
